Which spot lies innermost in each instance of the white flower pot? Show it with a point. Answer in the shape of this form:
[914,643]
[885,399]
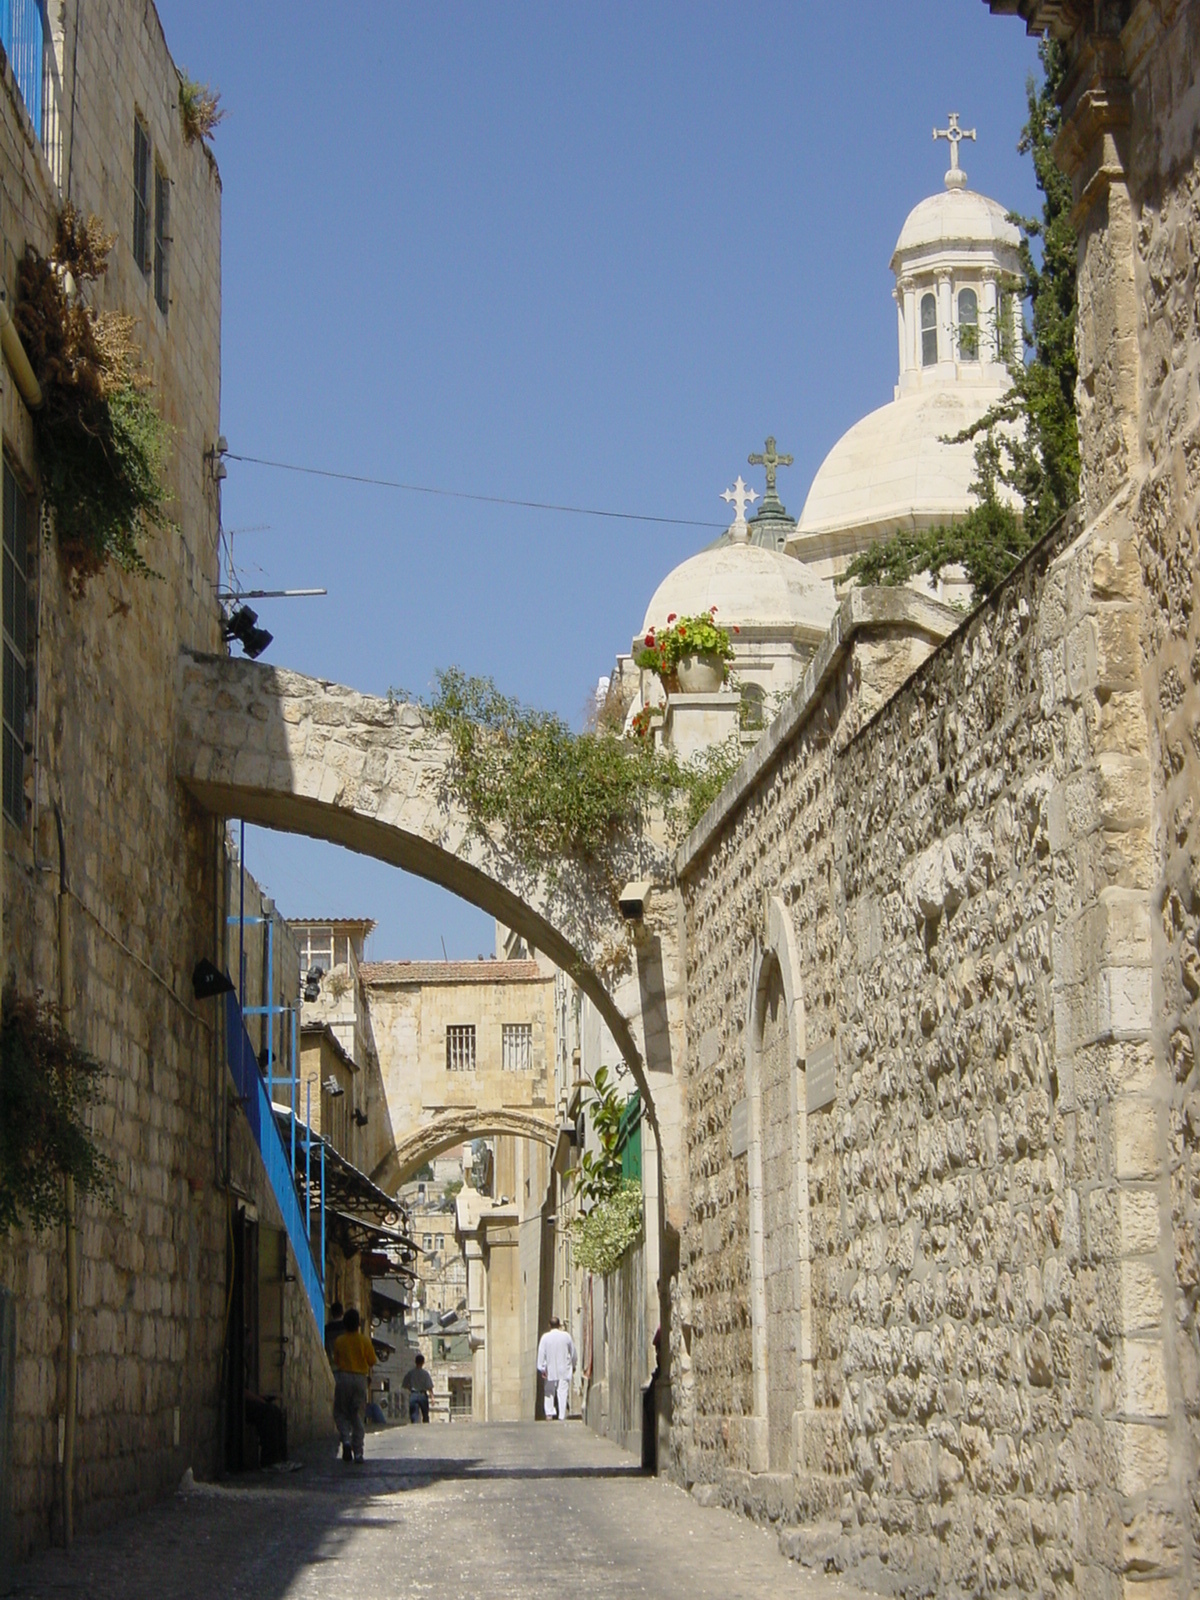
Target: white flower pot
[701,674]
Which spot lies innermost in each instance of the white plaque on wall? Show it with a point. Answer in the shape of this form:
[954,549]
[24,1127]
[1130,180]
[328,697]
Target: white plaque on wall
[739,1128]
[820,1076]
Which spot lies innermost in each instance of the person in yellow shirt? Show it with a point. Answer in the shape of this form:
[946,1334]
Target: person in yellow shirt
[353,1358]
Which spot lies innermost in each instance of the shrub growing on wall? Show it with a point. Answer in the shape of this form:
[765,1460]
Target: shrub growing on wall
[101,442]
[47,1084]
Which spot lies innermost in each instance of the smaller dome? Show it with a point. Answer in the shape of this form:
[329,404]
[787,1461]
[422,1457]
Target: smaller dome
[750,587]
[955,217]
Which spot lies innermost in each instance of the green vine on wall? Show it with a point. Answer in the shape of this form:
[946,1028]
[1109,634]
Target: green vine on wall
[557,793]
[602,1236]
[101,443]
[47,1084]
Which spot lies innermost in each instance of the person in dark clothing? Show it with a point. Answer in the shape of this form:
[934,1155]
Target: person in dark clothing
[333,1327]
[420,1386]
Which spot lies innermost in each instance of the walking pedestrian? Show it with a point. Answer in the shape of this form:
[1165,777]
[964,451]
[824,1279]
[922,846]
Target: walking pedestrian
[556,1363]
[420,1386]
[353,1358]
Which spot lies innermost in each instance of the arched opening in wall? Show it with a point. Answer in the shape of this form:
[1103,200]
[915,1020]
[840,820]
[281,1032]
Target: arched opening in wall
[781,1312]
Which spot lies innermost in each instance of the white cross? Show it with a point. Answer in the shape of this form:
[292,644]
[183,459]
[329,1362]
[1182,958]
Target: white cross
[740,497]
[954,135]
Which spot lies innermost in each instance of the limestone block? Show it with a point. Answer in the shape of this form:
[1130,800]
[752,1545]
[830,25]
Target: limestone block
[1140,1228]
[1141,1297]
[1122,790]
[1143,1378]
[1136,1141]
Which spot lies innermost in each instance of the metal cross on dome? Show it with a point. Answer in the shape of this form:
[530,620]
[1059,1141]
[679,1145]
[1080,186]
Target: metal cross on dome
[739,497]
[770,461]
[954,135]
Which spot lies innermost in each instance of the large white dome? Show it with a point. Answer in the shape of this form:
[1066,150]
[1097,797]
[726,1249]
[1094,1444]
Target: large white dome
[750,587]
[892,469]
[955,217]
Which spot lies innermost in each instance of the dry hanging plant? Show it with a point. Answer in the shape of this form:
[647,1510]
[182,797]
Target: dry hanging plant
[200,109]
[101,443]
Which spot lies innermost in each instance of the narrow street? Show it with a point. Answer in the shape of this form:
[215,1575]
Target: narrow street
[511,1511]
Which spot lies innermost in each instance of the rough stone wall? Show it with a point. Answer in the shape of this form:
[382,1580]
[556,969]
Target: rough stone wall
[1162,48]
[967,876]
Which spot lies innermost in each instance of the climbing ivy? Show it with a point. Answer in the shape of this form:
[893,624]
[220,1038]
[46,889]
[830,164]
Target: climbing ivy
[602,1236]
[47,1084]
[1029,442]
[557,793]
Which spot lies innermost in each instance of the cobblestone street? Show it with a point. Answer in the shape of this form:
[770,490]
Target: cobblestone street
[509,1511]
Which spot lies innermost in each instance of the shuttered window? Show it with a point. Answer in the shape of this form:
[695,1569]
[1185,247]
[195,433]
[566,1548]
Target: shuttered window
[162,239]
[141,194]
[516,1046]
[16,605]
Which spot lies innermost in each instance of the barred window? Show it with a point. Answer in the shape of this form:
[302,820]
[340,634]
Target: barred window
[516,1042]
[16,554]
[162,239]
[141,194]
[460,1048]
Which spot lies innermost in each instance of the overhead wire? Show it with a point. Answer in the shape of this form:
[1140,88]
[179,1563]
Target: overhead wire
[463,494]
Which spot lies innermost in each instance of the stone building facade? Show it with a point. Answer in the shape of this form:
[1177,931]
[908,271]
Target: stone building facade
[938,1286]
[110,871]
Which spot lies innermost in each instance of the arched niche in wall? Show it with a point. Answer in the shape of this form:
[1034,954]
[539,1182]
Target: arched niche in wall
[777,1179]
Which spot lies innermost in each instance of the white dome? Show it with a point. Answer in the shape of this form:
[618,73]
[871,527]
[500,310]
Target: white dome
[955,217]
[750,587]
[892,469]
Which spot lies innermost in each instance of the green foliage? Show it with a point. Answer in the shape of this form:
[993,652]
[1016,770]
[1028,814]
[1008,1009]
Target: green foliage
[101,443]
[1029,442]
[684,636]
[47,1084]
[200,109]
[557,793]
[597,1174]
[602,1236]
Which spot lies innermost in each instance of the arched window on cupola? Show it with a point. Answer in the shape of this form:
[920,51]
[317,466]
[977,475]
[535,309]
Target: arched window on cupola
[968,325]
[929,350]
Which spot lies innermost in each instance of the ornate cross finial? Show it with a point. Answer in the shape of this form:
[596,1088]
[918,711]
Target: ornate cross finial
[956,178]
[739,497]
[771,463]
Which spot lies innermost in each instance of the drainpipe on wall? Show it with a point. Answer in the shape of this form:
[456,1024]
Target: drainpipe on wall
[66,1000]
[14,354]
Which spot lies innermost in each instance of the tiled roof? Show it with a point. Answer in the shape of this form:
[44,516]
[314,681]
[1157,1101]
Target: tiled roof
[451,972]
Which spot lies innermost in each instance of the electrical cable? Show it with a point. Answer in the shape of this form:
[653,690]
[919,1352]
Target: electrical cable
[463,494]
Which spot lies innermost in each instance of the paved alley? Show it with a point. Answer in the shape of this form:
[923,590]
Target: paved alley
[510,1511]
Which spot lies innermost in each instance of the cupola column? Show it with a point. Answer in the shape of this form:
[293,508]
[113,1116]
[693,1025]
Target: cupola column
[898,298]
[908,353]
[989,332]
[945,319]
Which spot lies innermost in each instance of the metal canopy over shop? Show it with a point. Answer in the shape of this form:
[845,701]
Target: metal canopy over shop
[359,1215]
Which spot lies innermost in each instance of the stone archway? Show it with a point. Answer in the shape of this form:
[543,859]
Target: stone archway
[780,1248]
[307,756]
[445,1129]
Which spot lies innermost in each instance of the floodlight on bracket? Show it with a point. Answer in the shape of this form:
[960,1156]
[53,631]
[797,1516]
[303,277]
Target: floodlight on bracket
[214,458]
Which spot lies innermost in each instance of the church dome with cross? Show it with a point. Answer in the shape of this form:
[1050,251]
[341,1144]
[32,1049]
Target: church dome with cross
[780,609]
[956,324]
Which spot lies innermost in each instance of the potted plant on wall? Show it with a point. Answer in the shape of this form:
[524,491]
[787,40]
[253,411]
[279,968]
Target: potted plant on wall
[690,653]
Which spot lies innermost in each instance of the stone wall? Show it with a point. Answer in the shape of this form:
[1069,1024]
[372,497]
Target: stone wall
[978,1284]
[144,866]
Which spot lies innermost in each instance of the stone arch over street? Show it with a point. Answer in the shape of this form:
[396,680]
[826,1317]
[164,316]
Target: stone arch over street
[446,1129]
[306,756]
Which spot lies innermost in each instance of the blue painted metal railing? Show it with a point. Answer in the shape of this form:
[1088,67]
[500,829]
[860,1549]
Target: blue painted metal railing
[23,35]
[243,1064]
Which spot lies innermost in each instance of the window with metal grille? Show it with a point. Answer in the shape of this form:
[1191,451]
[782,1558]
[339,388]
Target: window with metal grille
[929,342]
[141,194]
[460,1048]
[162,239]
[16,553]
[516,1046]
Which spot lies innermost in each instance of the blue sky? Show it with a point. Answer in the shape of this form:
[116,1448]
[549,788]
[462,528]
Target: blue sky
[588,254]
